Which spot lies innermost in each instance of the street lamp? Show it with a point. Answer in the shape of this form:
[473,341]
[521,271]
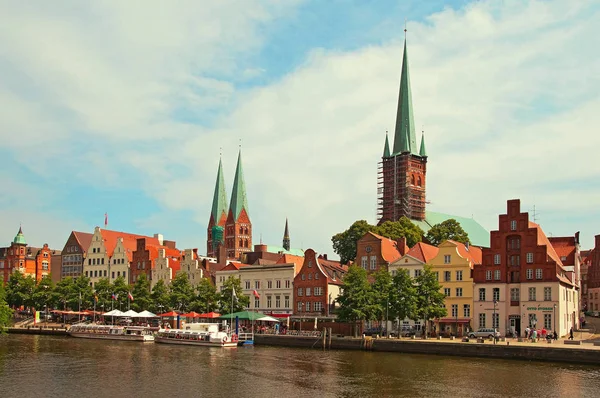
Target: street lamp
[387,311]
[494,320]
[554,316]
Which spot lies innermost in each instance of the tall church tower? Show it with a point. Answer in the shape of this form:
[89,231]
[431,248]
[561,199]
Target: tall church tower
[218,216]
[238,227]
[286,237]
[401,172]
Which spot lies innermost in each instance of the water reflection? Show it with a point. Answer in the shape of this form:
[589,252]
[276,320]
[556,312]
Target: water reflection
[69,367]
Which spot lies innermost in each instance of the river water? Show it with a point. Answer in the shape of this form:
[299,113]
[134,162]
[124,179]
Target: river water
[46,366]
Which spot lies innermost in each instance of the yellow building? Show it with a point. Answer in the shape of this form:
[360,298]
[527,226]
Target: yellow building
[453,266]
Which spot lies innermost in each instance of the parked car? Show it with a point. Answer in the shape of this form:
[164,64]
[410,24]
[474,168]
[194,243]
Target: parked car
[484,332]
[374,331]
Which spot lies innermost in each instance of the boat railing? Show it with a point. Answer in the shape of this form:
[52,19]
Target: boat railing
[245,336]
[305,333]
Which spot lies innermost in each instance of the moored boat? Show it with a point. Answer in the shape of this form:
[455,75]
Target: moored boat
[109,332]
[201,334]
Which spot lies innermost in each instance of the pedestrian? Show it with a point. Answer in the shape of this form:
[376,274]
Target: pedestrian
[555,335]
[527,332]
[571,334]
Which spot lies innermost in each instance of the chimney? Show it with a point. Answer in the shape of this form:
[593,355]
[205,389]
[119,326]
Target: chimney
[195,251]
[221,254]
[260,248]
[401,246]
[160,238]
[467,246]
[597,242]
[577,237]
[324,256]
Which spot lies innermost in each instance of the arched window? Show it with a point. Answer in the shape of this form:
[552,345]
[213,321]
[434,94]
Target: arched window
[241,243]
[412,179]
[419,182]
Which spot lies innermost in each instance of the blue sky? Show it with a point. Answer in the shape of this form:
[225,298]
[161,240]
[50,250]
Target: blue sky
[122,107]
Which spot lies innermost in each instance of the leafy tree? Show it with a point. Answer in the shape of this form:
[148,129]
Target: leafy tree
[141,294]
[19,290]
[66,291]
[6,312]
[356,299]
[430,299]
[226,297]
[104,292]
[449,229]
[84,292]
[207,299]
[344,243]
[181,292]
[401,228]
[120,288]
[44,295]
[403,296]
[159,298]
[381,290]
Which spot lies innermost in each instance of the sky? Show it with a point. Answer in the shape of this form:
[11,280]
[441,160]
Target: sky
[124,108]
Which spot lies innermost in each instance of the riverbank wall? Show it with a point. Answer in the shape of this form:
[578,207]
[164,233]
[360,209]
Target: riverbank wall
[37,330]
[471,349]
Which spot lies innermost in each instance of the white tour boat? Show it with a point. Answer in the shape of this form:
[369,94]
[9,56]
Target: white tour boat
[205,334]
[109,332]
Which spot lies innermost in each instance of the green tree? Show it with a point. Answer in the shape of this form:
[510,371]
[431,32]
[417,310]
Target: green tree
[207,298]
[403,297]
[159,298]
[44,295]
[240,301]
[381,290]
[401,228]
[6,312]
[84,292]
[141,294]
[120,289]
[449,229]
[67,293]
[356,298]
[104,292]
[430,299]
[19,290]
[181,292]
[344,243]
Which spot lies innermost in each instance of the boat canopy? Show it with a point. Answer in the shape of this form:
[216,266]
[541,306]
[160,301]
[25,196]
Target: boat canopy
[113,313]
[146,314]
[248,316]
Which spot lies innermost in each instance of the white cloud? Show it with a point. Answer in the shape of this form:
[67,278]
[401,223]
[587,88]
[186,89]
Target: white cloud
[507,93]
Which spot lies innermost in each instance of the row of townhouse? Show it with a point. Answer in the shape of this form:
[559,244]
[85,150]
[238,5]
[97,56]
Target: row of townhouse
[524,279]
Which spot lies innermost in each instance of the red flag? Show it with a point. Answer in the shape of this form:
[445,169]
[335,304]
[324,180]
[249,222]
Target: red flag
[105,220]
[130,296]
[255,293]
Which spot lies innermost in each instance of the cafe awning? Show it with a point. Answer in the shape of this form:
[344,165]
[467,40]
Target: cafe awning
[454,320]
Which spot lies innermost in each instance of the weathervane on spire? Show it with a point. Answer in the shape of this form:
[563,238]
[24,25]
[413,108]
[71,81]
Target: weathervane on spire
[220,151]
[405,28]
[240,143]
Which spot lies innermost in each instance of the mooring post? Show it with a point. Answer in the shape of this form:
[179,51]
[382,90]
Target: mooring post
[330,333]
[324,336]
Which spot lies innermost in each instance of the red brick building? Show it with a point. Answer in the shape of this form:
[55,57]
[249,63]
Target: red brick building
[374,252]
[31,261]
[593,277]
[73,255]
[317,285]
[147,252]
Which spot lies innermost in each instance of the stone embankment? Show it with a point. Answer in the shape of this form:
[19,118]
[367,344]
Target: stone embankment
[51,331]
[542,351]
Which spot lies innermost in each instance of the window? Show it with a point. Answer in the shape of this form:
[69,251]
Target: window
[307,291]
[547,294]
[270,284]
[482,294]
[318,306]
[446,276]
[514,294]
[257,284]
[286,301]
[496,321]
[316,275]
[481,320]
[529,258]
[447,292]
[513,225]
[459,292]
[364,262]
[373,262]
[548,321]
[529,273]
[455,310]
[437,276]
[459,275]
[307,305]
[247,284]
[539,273]
[447,259]
[488,275]
[256,302]
[299,306]
[318,291]
[467,310]
[496,294]
[496,259]
[532,294]
[287,283]
[514,243]
[268,301]
[278,284]
[277,301]
[300,292]
[515,261]
[309,263]
[303,276]
[497,275]
[417,273]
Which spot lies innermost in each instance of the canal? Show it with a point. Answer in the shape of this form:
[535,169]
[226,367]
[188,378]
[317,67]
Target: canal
[46,366]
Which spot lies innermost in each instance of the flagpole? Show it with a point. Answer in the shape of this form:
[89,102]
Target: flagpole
[231,320]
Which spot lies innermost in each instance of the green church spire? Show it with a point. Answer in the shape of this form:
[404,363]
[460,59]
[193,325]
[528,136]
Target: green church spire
[219,205]
[239,200]
[404,135]
[386,147]
[20,238]
[422,151]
